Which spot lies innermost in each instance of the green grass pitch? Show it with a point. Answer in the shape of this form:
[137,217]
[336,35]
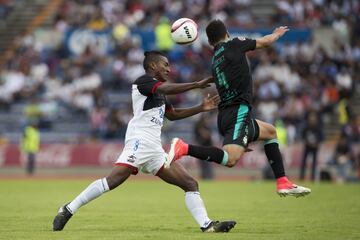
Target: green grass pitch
[142,209]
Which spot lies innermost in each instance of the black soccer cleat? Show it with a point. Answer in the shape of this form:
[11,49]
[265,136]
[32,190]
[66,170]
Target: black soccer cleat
[61,218]
[216,226]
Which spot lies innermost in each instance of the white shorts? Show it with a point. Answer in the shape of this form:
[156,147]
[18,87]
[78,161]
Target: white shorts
[142,155]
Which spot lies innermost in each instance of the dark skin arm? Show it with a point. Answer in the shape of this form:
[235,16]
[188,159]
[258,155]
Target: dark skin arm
[175,88]
[208,104]
[210,80]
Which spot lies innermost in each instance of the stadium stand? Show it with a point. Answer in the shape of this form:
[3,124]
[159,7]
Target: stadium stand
[75,87]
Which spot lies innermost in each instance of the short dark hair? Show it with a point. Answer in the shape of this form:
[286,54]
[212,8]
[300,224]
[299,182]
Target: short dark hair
[216,31]
[151,56]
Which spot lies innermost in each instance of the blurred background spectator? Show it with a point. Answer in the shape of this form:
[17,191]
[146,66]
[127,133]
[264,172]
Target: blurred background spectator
[203,137]
[343,160]
[313,136]
[30,144]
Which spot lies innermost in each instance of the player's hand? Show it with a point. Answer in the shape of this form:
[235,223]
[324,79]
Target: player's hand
[204,83]
[281,30]
[210,102]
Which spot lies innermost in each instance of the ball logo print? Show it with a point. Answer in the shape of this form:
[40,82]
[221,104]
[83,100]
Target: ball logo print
[184,31]
[187,32]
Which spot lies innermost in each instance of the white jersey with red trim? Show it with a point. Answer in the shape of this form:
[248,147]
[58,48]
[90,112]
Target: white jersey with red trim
[149,110]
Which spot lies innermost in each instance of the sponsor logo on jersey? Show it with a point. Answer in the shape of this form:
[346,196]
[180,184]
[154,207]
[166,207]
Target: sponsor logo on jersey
[156,121]
[161,112]
[245,140]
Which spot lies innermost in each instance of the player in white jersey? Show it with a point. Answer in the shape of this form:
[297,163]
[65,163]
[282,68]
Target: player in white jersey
[143,150]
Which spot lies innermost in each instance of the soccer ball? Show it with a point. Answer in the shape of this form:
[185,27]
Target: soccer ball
[184,31]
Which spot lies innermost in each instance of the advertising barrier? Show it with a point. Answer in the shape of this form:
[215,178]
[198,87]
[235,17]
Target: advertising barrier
[105,154]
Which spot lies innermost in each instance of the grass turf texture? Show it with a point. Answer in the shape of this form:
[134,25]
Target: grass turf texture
[143,209]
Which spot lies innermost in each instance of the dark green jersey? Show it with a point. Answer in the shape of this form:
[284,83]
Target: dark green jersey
[231,71]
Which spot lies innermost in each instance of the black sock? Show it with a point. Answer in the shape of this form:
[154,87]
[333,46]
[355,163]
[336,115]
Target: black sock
[274,157]
[210,154]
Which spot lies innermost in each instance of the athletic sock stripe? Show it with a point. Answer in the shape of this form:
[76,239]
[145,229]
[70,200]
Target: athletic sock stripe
[102,183]
[105,184]
[196,193]
[271,141]
[67,207]
[225,159]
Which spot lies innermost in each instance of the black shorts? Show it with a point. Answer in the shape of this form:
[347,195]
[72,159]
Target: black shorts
[236,125]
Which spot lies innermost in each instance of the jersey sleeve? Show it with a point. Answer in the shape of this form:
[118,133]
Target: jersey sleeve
[147,85]
[244,44]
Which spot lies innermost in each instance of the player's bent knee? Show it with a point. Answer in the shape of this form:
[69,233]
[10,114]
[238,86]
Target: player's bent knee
[233,158]
[234,154]
[191,185]
[231,163]
[117,177]
[113,182]
[273,132]
[267,131]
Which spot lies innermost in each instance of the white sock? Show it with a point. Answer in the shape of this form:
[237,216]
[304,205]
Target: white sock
[197,208]
[93,191]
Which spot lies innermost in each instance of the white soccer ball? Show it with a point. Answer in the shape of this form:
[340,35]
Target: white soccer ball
[184,31]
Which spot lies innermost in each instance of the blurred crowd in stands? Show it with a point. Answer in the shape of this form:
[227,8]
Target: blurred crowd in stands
[6,7]
[291,80]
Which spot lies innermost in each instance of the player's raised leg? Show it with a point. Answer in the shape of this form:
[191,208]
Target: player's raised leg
[118,175]
[179,148]
[284,186]
[177,175]
[235,126]
[228,156]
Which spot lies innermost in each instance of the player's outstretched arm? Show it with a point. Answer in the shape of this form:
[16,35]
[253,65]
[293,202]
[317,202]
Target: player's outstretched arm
[208,104]
[175,88]
[267,40]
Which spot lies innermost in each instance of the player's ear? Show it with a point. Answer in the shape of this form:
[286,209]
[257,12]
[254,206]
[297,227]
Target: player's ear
[227,34]
[152,65]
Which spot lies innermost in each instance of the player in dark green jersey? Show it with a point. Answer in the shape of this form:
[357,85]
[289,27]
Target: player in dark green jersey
[232,77]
